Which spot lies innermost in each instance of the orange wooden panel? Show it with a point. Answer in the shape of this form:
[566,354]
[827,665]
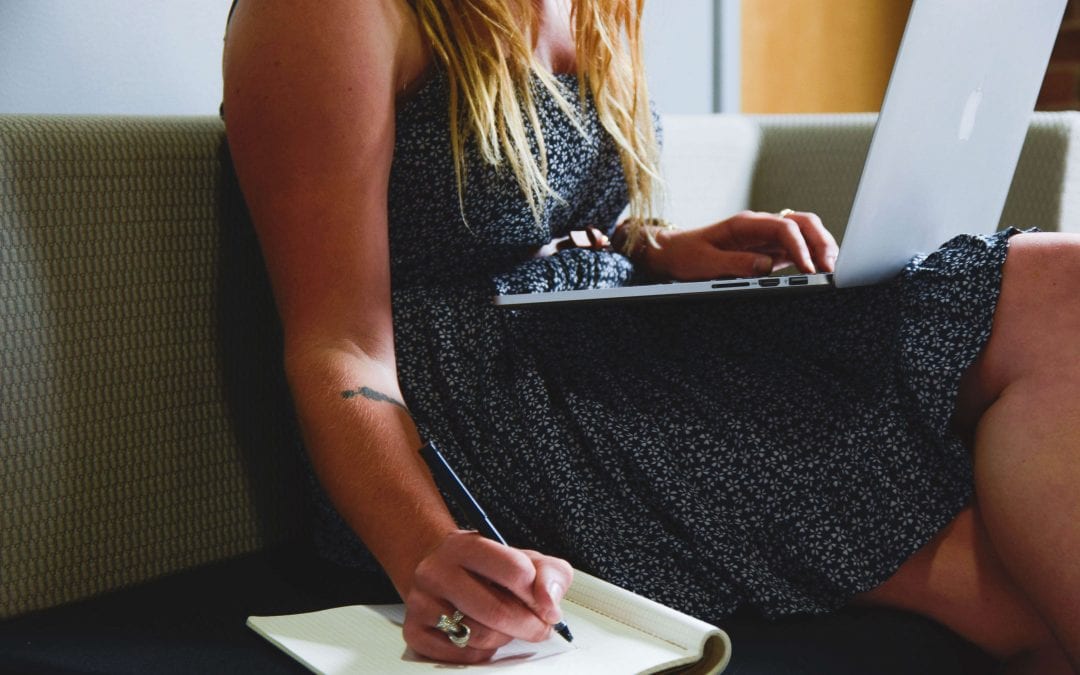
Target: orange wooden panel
[818,55]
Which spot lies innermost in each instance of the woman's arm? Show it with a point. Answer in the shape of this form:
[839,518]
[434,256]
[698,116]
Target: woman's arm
[309,107]
[310,93]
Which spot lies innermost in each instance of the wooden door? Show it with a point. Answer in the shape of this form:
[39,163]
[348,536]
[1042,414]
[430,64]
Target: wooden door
[818,55]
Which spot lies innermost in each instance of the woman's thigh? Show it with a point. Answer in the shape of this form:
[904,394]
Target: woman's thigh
[958,580]
[1036,329]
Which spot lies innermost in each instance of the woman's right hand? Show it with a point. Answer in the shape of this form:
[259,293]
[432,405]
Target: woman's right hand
[504,593]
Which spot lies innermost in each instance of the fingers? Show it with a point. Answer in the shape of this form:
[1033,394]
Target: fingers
[553,577]
[796,236]
[767,233]
[822,244]
[727,263]
[485,580]
[420,633]
[504,593]
[510,577]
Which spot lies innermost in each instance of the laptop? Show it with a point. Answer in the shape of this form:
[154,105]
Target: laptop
[943,153]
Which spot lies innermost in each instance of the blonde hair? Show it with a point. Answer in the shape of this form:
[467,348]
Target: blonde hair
[486,48]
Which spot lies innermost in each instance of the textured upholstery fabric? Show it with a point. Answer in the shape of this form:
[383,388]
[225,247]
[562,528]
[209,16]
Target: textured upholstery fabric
[812,163]
[124,454]
[1045,192]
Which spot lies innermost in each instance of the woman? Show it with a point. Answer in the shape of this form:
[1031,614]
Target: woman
[403,160]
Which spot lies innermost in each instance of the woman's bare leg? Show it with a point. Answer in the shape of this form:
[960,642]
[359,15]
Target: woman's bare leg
[1027,442]
[958,580]
[1005,574]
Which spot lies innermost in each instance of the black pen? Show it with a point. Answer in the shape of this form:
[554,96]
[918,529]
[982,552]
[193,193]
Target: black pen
[449,482]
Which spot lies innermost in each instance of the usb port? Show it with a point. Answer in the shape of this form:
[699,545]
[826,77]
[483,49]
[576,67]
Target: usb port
[768,283]
[797,281]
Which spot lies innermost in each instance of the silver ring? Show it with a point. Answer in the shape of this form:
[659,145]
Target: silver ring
[784,213]
[447,624]
[460,637]
[458,632]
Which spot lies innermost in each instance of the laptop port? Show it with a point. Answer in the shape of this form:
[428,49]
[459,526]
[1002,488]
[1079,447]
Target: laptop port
[798,281]
[768,283]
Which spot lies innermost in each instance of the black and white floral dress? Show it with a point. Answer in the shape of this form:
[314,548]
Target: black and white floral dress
[778,454]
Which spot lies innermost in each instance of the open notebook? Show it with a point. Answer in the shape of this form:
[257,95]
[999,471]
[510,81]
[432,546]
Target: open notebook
[615,631]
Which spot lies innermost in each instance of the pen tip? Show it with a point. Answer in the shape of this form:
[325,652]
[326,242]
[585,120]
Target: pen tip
[564,630]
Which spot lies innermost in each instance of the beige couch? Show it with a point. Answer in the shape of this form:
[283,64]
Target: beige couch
[144,425]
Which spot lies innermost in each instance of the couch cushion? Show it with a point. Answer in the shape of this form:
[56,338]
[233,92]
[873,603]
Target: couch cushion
[190,622]
[194,622]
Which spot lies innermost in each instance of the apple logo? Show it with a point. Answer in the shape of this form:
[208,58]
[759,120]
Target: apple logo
[971,110]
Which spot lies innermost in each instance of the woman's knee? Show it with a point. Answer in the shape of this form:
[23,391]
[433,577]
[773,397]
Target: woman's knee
[1045,263]
[958,580]
[1036,327]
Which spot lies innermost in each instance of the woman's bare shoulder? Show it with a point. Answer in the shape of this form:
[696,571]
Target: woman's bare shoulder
[372,39]
[311,91]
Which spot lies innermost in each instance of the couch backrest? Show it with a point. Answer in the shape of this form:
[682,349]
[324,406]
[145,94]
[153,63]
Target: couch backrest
[144,419]
[816,161]
[719,164]
[708,166]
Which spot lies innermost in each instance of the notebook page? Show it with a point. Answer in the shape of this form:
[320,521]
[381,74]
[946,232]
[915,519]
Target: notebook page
[367,639]
[684,632]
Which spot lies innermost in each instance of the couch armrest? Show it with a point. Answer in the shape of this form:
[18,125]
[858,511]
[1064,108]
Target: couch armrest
[814,162]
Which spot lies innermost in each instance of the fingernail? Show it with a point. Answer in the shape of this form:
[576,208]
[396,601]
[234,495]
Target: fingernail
[555,590]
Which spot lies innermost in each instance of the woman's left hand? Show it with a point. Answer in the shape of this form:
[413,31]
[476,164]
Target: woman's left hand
[747,244]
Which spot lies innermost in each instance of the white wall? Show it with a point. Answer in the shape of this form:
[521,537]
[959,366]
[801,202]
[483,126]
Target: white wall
[143,57]
[679,54]
[152,57]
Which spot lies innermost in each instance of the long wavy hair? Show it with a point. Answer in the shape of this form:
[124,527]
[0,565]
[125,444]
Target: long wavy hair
[486,47]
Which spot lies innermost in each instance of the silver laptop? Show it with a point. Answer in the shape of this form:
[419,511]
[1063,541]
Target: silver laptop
[943,154]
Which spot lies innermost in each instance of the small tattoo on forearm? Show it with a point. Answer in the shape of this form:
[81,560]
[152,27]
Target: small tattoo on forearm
[369,393]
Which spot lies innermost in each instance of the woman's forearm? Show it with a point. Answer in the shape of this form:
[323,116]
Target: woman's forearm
[363,445]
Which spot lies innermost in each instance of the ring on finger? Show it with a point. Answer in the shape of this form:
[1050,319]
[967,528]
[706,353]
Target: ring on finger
[784,213]
[449,623]
[458,632]
[460,636]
